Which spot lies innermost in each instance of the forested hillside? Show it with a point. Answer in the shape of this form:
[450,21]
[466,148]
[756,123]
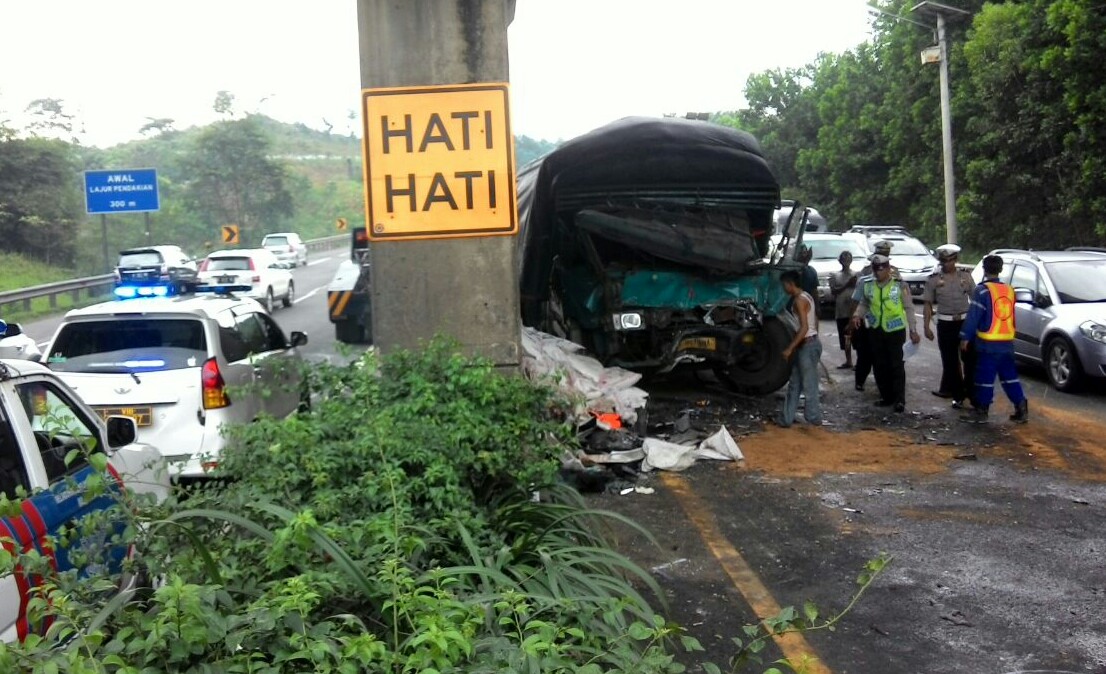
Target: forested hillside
[858,135]
[253,171]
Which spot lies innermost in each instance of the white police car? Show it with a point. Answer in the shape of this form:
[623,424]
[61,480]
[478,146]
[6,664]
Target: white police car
[41,420]
[182,367]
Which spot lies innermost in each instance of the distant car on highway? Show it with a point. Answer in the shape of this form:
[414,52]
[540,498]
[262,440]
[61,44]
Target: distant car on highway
[16,344]
[1060,311]
[912,258]
[41,421]
[166,267]
[182,368]
[826,247]
[287,247]
[267,277]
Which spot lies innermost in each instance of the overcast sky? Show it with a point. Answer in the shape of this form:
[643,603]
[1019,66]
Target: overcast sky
[575,64]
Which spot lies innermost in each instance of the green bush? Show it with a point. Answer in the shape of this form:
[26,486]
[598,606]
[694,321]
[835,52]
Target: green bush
[392,528]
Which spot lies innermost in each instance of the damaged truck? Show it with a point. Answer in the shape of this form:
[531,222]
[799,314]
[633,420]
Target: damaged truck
[647,242]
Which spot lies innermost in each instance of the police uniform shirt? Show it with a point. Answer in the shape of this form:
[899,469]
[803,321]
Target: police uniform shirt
[949,293]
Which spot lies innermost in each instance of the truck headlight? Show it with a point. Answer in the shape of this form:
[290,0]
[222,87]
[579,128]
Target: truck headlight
[1093,330]
[628,321]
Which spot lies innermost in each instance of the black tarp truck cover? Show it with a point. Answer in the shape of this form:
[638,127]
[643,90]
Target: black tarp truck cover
[635,163]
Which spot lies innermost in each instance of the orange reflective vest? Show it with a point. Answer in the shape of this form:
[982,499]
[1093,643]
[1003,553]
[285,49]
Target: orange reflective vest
[1002,314]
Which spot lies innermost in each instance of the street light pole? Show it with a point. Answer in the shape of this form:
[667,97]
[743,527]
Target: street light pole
[941,12]
[946,133]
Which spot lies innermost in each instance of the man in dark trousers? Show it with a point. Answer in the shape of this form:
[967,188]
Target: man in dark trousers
[948,293]
[887,309]
[859,332]
[990,325]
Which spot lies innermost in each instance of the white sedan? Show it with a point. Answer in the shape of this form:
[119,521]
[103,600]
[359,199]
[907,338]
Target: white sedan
[267,277]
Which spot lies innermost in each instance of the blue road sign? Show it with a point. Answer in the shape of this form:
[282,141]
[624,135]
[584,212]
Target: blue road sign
[121,191]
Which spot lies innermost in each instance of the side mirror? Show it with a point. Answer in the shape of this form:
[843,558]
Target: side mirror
[298,338]
[121,431]
[1024,295]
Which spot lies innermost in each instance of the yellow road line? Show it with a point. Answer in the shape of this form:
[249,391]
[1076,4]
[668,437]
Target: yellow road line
[794,647]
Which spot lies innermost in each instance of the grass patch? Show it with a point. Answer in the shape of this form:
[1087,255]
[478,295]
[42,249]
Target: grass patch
[18,272]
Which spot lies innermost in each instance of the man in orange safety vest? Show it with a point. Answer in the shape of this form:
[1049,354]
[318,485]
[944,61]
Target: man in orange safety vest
[990,325]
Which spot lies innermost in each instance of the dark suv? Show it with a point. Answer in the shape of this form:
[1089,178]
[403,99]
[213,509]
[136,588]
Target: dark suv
[1060,311]
[167,266]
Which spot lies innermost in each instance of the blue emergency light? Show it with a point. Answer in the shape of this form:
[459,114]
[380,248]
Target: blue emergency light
[131,292]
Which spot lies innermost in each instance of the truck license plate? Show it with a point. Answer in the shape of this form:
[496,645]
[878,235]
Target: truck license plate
[143,416]
[698,344]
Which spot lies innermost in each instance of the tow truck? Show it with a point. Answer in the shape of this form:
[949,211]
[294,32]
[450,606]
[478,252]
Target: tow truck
[349,295]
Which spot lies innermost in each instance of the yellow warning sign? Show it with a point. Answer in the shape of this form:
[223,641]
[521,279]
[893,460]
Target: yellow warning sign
[230,234]
[341,224]
[439,162]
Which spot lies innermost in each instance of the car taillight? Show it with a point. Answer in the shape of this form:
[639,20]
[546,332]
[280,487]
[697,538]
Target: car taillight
[257,279]
[250,260]
[203,265]
[214,388]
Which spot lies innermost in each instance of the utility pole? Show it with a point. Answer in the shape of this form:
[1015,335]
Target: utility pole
[463,287]
[941,12]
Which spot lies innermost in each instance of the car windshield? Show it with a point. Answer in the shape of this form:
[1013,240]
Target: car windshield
[140,259]
[228,264]
[830,249]
[1079,281]
[908,247]
[273,241]
[129,345]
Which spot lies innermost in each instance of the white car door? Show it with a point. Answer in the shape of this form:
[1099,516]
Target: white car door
[276,365]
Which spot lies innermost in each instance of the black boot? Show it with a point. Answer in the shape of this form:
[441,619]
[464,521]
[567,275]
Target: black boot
[976,415]
[1021,413]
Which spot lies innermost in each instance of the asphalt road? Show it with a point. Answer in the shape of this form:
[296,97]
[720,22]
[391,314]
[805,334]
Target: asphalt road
[998,533]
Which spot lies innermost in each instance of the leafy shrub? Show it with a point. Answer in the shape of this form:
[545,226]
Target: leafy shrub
[391,528]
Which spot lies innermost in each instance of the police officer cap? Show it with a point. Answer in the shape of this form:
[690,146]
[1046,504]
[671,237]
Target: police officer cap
[947,251]
[880,259]
[882,247]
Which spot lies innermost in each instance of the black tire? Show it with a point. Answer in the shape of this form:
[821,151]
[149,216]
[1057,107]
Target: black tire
[348,332]
[269,303]
[290,296]
[763,369]
[1062,365]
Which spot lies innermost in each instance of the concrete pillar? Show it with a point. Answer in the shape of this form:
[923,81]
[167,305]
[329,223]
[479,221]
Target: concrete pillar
[467,288]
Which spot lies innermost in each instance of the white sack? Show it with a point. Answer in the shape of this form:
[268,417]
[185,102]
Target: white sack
[663,455]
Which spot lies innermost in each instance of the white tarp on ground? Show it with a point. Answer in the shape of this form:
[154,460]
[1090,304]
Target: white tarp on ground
[661,455]
[604,389]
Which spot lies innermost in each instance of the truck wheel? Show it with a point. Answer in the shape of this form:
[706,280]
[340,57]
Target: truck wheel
[348,332]
[761,369]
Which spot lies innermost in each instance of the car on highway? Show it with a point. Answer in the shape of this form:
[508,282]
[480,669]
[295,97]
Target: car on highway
[41,421]
[166,267]
[182,367]
[267,277]
[14,343]
[825,248]
[287,247]
[912,258]
[1060,310]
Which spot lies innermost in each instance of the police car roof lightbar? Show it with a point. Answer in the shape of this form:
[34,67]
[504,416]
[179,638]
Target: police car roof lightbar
[131,292]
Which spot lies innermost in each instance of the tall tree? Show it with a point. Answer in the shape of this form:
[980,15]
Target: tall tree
[40,203]
[230,179]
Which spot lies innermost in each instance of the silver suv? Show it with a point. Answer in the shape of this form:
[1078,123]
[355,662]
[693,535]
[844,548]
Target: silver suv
[182,368]
[1060,312]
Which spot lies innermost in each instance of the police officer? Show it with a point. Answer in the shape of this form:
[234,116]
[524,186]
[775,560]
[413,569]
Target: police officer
[950,290]
[886,307]
[990,324]
[859,337]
